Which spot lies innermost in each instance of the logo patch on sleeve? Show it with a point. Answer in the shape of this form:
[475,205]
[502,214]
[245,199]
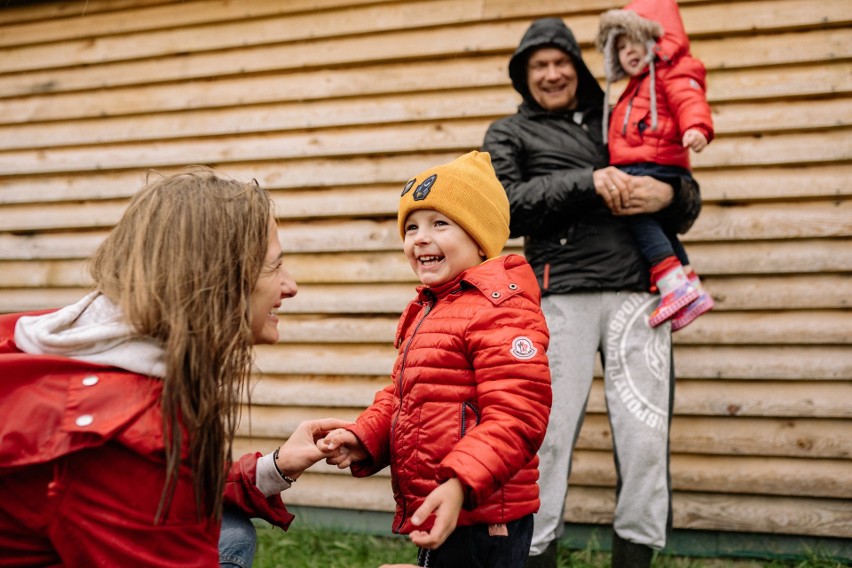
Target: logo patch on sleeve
[523,348]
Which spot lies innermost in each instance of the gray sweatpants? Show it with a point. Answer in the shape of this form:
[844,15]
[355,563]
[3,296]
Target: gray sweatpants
[639,387]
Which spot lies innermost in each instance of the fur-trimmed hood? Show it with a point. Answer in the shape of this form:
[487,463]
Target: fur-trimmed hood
[657,24]
[654,22]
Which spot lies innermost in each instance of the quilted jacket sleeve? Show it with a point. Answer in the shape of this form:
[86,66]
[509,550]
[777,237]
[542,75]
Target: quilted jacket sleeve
[373,429]
[686,91]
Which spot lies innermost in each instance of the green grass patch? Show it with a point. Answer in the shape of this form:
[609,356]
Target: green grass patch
[304,546]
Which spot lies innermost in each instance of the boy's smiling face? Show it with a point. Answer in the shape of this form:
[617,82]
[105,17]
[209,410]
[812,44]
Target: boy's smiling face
[437,248]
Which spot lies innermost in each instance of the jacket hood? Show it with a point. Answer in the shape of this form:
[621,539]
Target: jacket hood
[552,32]
[656,23]
[92,330]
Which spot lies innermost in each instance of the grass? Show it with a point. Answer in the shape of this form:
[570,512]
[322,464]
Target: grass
[304,546]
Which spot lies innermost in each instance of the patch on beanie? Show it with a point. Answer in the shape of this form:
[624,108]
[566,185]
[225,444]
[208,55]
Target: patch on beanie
[523,348]
[423,189]
[407,186]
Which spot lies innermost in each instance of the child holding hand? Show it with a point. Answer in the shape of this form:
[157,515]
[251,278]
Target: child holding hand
[469,402]
[661,115]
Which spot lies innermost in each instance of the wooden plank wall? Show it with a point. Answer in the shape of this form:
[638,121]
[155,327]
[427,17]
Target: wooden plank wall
[332,104]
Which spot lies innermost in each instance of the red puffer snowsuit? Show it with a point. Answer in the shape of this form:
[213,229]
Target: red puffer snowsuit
[82,468]
[470,397]
[681,100]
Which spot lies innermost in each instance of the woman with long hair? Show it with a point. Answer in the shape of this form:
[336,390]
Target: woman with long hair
[119,410]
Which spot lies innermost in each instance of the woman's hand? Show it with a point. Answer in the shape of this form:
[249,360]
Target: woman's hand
[300,451]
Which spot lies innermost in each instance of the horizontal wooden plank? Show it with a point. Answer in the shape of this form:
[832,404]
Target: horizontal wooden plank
[812,327]
[29,12]
[369,186]
[692,510]
[690,472]
[720,362]
[471,40]
[700,18]
[745,293]
[409,107]
[160,37]
[337,172]
[753,514]
[460,135]
[69,20]
[308,89]
[773,183]
[769,328]
[729,474]
[788,438]
[706,397]
[774,221]
[781,437]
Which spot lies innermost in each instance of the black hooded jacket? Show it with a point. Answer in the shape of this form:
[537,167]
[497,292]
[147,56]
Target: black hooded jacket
[545,161]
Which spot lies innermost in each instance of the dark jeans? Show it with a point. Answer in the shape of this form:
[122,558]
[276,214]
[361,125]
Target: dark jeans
[473,547]
[654,241]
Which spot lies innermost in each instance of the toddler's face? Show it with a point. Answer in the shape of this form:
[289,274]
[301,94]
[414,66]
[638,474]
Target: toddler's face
[631,55]
[437,248]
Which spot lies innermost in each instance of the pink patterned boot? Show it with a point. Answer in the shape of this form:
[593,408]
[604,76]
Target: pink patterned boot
[704,303]
[675,292]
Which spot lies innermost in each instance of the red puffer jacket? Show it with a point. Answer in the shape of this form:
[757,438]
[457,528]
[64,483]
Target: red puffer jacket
[85,443]
[680,86]
[470,396]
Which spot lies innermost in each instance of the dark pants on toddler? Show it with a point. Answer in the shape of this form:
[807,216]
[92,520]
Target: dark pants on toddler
[474,547]
[654,241]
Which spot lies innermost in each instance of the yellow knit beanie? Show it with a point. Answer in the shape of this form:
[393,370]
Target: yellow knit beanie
[467,191]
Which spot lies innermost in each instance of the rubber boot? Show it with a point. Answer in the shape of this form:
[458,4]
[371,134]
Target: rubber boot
[626,554]
[546,559]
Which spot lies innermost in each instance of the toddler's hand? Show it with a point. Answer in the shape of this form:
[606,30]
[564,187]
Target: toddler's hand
[348,445]
[445,501]
[694,139]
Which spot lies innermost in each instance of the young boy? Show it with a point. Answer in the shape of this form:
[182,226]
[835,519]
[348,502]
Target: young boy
[468,406]
[662,114]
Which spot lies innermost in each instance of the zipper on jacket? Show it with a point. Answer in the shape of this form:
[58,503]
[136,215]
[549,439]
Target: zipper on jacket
[426,311]
[465,405]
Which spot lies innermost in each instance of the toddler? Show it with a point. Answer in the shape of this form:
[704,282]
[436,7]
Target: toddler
[662,114]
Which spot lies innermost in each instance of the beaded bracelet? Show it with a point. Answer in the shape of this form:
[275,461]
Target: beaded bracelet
[286,478]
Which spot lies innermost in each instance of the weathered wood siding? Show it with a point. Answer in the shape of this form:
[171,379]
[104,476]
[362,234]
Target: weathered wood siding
[332,104]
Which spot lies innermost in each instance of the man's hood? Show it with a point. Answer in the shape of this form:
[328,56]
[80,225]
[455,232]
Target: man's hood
[552,32]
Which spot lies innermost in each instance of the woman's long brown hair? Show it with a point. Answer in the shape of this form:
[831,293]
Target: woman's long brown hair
[181,264]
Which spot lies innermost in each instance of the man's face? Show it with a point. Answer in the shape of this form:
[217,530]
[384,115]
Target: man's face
[552,79]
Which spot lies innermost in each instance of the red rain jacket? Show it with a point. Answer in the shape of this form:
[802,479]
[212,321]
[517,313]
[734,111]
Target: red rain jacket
[82,469]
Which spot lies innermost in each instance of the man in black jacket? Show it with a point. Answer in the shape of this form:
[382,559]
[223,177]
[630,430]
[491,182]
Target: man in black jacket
[569,206]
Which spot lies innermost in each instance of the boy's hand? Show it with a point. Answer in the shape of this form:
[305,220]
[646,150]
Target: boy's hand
[445,501]
[348,446]
[694,139]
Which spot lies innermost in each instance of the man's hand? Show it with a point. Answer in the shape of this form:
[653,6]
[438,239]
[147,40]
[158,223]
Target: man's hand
[445,501]
[613,186]
[647,195]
